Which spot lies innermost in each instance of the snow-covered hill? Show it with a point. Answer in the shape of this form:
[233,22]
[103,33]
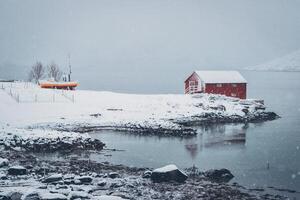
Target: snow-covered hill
[290,62]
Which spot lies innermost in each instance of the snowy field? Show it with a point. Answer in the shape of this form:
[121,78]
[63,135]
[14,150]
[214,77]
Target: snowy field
[26,105]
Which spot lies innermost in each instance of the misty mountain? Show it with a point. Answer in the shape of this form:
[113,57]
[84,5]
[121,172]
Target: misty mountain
[290,62]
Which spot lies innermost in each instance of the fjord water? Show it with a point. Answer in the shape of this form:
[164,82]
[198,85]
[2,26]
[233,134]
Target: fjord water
[259,155]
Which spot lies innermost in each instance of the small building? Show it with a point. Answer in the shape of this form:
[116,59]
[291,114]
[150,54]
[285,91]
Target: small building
[229,83]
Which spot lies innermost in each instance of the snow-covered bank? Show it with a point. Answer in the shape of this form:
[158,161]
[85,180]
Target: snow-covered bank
[168,114]
[37,140]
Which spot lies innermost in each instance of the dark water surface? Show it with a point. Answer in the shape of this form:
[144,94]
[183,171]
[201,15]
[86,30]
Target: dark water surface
[259,155]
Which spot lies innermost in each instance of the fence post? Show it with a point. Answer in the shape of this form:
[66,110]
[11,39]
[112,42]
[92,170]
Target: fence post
[73,99]
[35,97]
[53,99]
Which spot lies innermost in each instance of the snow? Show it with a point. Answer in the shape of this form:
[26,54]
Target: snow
[111,109]
[17,167]
[105,197]
[221,77]
[3,162]
[50,196]
[166,168]
[290,62]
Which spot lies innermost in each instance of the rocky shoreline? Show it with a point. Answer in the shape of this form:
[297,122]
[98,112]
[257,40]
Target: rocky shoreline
[182,127]
[47,145]
[26,176]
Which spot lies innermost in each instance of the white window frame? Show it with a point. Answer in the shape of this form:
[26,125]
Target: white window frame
[234,85]
[219,85]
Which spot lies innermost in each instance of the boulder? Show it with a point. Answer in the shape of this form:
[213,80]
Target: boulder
[17,170]
[219,175]
[113,175]
[3,162]
[31,196]
[15,195]
[3,197]
[84,179]
[102,183]
[168,173]
[78,195]
[3,176]
[147,174]
[53,178]
[106,197]
[53,196]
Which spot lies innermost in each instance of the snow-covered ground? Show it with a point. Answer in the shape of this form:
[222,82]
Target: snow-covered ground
[107,109]
[290,62]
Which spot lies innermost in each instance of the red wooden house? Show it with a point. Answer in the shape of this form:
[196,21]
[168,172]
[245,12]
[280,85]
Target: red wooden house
[229,83]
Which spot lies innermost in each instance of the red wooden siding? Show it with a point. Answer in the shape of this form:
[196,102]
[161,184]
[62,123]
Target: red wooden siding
[238,90]
[193,77]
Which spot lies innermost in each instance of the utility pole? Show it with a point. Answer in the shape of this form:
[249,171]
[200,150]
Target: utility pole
[70,69]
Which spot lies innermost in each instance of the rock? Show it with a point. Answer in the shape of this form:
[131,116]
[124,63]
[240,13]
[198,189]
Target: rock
[53,178]
[84,179]
[3,197]
[3,176]
[113,175]
[147,174]
[31,196]
[3,162]
[15,195]
[168,173]
[53,196]
[101,183]
[219,175]
[17,170]
[106,197]
[78,195]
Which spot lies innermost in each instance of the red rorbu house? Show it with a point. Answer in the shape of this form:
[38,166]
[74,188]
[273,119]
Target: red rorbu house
[229,83]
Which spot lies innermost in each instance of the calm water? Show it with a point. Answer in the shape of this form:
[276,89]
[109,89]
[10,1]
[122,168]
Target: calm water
[244,149]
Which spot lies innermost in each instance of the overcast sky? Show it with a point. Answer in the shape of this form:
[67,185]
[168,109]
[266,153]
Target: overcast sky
[124,37]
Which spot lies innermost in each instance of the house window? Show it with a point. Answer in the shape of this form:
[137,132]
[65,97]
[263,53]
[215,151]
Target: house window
[233,94]
[234,85]
[219,85]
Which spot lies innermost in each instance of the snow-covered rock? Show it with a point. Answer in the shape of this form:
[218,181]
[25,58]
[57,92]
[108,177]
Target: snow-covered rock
[168,173]
[53,178]
[3,162]
[113,175]
[52,196]
[84,179]
[17,170]
[106,197]
[79,195]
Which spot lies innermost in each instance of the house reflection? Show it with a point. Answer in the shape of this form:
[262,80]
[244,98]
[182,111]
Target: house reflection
[217,136]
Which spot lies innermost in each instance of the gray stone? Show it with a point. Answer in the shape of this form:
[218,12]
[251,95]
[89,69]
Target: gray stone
[219,175]
[53,178]
[168,173]
[147,174]
[113,175]
[17,170]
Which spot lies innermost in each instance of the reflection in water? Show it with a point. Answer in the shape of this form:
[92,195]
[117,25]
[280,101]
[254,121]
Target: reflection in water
[217,136]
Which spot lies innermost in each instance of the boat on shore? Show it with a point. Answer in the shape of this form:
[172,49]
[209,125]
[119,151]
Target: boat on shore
[58,85]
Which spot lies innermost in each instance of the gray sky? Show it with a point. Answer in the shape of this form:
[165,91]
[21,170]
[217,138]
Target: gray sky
[126,38]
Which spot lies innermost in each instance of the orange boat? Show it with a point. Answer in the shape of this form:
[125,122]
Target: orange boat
[59,85]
